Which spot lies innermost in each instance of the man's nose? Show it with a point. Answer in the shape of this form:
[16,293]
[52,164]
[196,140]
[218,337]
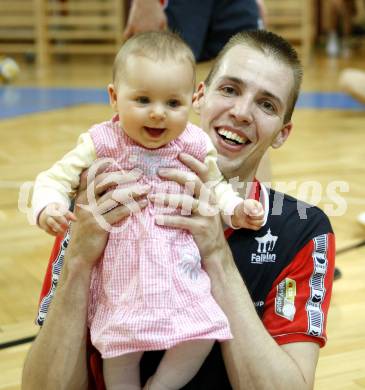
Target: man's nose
[242,109]
[157,112]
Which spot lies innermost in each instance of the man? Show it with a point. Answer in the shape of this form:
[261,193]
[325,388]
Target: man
[273,284]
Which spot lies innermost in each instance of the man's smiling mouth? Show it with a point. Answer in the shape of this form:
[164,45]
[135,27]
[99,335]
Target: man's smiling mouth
[232,138]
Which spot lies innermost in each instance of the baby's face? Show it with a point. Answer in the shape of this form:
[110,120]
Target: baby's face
[153,99]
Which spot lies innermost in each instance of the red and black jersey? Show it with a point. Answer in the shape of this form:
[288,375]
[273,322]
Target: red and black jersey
[288,268]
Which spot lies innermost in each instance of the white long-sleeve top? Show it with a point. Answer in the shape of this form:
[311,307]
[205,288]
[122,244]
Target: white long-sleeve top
[59,183]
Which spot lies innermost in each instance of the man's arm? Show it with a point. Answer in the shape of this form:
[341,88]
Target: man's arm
[57,358]
[145,15]
[253,359]
[252,348]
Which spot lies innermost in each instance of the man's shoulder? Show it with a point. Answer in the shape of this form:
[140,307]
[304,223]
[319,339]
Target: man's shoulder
[290,224]
[296,214]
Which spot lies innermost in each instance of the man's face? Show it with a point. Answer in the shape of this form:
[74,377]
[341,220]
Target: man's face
[243,109]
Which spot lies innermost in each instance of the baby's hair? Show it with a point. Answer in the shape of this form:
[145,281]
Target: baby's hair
[154,45]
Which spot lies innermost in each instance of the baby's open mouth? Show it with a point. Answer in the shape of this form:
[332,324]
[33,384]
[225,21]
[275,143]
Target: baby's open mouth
[154,132]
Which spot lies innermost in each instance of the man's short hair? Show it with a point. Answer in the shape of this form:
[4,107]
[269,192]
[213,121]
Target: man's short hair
[272,45]
[154,45]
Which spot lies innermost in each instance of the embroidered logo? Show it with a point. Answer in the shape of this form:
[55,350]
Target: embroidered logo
[190,265]
[148,161]
[266,244]
[285,299]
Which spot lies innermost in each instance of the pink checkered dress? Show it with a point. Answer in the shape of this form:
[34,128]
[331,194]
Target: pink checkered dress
[149,291]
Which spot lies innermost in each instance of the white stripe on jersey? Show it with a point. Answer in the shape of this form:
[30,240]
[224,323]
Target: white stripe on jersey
[317,287]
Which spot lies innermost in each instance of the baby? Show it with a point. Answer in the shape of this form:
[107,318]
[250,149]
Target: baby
[148,292]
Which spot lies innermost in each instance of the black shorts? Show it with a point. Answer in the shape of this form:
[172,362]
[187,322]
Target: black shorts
[206,25]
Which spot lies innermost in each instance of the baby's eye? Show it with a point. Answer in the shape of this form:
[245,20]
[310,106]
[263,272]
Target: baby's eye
[174,103]
[142,100]
[228,90]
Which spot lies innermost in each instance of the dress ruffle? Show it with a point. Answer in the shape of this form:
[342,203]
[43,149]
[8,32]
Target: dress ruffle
[140,329]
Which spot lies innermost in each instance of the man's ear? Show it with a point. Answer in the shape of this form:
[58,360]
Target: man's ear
[282,136]
[198,97]
[112,97]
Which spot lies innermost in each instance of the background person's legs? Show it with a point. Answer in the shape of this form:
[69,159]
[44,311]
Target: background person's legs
[227,19]
[179,365]
[122,372]
[341,13]
[190,18]
[206,26]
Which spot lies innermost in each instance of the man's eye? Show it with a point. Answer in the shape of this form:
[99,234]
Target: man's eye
[268,106]
[142,100]
[228,91]
[174,103]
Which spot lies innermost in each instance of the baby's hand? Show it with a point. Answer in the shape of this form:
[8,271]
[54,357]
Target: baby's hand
[54,219]
[248,214]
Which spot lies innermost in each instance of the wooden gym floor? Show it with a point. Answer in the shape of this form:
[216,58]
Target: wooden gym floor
[327,145]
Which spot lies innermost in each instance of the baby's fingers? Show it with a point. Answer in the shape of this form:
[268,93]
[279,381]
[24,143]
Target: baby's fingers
[253,208]
[257,221]
[54,227]
[61,221]
[70,216]
[259,217]
[253,226]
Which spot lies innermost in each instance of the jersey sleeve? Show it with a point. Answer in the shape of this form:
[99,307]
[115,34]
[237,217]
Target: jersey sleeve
[297,305]
[227,199]
[59,183]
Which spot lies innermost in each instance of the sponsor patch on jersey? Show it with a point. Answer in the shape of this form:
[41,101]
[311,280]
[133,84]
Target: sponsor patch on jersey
[266,245]
[285,299]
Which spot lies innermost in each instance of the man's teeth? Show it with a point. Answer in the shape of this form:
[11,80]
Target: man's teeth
[231,136]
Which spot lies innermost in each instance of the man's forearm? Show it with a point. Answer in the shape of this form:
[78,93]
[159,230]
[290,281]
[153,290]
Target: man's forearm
[57,358]
[252,347]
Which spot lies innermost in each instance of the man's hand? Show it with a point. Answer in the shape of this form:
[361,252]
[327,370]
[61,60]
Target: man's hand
[88,237]
[204,223]
[145,15]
